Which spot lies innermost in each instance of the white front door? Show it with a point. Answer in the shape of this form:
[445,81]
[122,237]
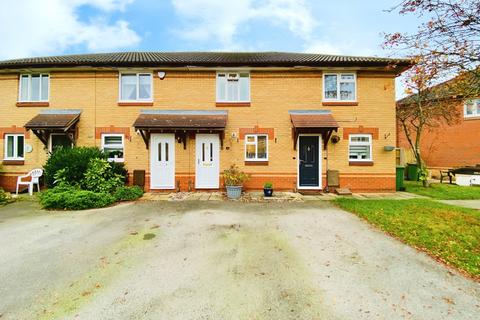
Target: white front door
[162,161]
[207,152]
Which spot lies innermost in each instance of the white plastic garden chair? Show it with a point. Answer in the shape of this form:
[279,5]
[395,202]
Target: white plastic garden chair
[34,176]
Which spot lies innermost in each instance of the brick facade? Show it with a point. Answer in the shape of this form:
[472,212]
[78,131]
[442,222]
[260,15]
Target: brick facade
[273,94]
[449,146]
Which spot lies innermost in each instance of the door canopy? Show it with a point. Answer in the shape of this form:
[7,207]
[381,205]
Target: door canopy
[55,121]
[312,121]
[181,122]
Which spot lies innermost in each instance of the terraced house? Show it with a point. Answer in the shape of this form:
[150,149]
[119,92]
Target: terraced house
[301,121]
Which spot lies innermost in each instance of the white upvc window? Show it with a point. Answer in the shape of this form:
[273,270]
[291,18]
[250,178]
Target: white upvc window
[340,86]
[360,147]
[472,108]
[34,87]
[256,147]
[136,87]
[113,146]
[14,147]
[233,87]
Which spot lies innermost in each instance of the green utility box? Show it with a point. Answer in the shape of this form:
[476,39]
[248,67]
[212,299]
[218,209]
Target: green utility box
[399,186]
[412,172]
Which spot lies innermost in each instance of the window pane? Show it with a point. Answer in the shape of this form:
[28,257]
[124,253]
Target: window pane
[347,91]
[221,93]
[349,77]
[145,91]
[113,152]
[331,87]
[10,146]
[44,88]
[113,140]
[20,141]
[250,151]
[244,88]
[360,139]
[478,106]
[35,87]
[262,147]
[232,90]
[129,87]
[24,88]
[469,108]
[250,139]
[360,152]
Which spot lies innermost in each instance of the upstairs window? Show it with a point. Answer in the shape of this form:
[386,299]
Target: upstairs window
[34,87]
[256,147]
[113,146]
[136,87]
[472,108]
[233,87]
[360,147]
[14,147]
[339,87]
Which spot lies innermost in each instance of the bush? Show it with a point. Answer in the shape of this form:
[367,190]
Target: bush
[234,177]
[75,162]
[71,198]
[100,177]
[268,185]
[4,197]
[128,193]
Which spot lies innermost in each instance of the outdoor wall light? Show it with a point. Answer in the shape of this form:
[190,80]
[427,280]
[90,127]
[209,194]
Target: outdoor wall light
[161,74]
[389,148]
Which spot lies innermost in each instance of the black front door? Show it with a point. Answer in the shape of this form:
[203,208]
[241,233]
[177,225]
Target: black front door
[308,161]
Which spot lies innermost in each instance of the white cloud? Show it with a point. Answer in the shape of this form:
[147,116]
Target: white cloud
[222,20]
[33,27]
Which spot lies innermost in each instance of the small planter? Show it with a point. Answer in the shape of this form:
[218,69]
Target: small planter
[267,192]
[234,192]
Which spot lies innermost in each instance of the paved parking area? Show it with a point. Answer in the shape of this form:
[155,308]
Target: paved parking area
[217,260]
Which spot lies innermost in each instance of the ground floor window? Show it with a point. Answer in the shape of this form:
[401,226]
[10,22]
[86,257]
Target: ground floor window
[472,108]
[360,147]
[59,140]
[14,146]
[256,147]
[113,146]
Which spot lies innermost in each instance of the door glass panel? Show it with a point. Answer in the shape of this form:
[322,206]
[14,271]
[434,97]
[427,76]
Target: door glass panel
[166,151]
[211,152]
[203,151]
[160,151]
[60,141]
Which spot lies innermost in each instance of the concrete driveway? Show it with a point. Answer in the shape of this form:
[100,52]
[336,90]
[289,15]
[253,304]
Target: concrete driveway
[217,260]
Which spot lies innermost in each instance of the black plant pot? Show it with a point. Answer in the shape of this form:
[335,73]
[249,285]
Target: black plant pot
[267,192]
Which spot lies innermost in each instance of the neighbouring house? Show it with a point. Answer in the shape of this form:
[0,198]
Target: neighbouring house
[448,145]
[182,118]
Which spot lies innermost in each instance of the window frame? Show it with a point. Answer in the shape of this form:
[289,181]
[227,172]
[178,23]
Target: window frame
[115,145]
[476,113]
[256,135]
[29,89]
[370,145]
[238,72]
[50,142]
[137,75]
[15,146]
[339,75]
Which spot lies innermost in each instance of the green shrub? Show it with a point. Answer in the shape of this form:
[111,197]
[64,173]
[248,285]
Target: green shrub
[4,197]
[268,185]
[75,162]
[100,177]
[128,193]
[70,198]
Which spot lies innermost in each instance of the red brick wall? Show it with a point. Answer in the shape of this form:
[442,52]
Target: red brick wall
[449,146]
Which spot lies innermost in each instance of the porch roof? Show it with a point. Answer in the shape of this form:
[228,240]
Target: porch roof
[312,121]
[181,119]
[54,119]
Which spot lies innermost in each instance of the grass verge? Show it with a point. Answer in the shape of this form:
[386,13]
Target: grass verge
[443,191]
[450,234]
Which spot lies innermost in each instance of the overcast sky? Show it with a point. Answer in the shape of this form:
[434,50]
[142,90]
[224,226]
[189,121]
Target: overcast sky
[53,27]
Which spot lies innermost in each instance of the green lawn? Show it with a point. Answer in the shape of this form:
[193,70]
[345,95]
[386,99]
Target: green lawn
[443,191]
[449,233]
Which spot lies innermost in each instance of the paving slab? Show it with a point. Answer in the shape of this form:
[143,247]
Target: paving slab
[472,204]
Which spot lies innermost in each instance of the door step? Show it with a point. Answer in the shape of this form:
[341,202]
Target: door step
[343,191]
